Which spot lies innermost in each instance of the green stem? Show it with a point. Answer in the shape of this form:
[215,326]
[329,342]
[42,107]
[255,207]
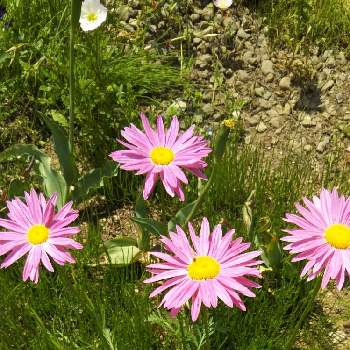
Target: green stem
[71,77]
[182,332]
[311,300]
[202,194]
[206,325]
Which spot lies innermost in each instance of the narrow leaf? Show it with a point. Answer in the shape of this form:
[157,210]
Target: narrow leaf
[151,225]
[60,138]
[93,180]
[181,216]
[52,180]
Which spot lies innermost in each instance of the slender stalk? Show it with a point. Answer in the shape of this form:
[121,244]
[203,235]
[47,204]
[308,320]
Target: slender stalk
[71,77]
[202,194]
[182,332]
[206,325]
[308,307]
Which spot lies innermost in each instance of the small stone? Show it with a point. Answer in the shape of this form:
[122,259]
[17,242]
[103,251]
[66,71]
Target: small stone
[208,109]
[242,75]
[261,127]
[242,34]
[287,109]
[253,120]
[323,144]
[259,91]
[267,67]
[327,85]
[341,58]
[264,104]
[308,121]
[276,122]
[339,97]
[330,62]
[248,57]
[285,83]
[308,148]
[269,78]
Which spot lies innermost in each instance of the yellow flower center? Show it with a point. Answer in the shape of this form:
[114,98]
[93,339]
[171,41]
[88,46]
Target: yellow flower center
[338,236]
[203,268]
[38,234]
[162,155]
[91,17]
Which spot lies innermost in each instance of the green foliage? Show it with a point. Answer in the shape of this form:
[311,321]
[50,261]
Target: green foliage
[323,22]
[52,180]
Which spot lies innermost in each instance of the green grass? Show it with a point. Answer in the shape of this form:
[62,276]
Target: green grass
[88,307]
[299,23]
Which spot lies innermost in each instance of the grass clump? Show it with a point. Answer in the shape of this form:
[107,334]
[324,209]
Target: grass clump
[325,23]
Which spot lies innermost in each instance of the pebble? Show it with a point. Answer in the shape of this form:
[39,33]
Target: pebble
[259,91]
[242,75]
[208,108]
[242,34]
[308,121]
[276,122]
[261,127]
[253,120]
[323,144]
[285,83]
[267,67]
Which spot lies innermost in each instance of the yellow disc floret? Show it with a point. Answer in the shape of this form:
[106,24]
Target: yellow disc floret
[338,236]
[91,17]
[162,155]
[38,234]
[203,268]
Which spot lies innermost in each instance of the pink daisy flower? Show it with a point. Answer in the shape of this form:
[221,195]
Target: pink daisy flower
[34,228]
[162,153]
[322,237]
[211,268]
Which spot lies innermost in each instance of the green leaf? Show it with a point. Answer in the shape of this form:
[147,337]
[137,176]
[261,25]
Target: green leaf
[121,251]
[141,208]
[181,216]
[60,138]
[120,242]
[151,225]
[93,180]
[272,254]
[52,180]
[59,118]
[17,188]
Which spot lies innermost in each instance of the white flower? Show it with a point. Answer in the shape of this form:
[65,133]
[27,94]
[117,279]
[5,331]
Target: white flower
[223,4]
[93,14]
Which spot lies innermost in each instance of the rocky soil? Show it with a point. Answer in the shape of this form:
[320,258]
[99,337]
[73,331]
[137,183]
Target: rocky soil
[289,98]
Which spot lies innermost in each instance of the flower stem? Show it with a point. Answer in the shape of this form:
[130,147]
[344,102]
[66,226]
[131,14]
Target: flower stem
[182,332]
[308,307]
[219,151]
[71,76]
[206,325]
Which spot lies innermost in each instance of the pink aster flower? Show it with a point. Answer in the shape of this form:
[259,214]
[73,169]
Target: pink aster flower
[162,153]
[34,228]
[211,268]
[322,237]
